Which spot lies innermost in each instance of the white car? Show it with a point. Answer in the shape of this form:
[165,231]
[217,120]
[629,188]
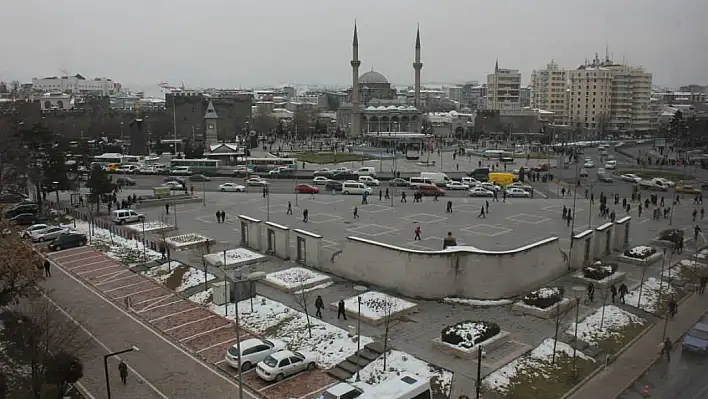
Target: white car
[456,185]
[253,350]
[516,192]
[369,181]
[257,181]
[320,180]
[480,192]
[284,363]
[233,187]
[322,172]
[341,170]
[611,164]
[470,181]
[589,164]
[489,186]
[173,185]
[276,171]
[47,234]
[666,182]
[520,185]
[632,178]
[26,233]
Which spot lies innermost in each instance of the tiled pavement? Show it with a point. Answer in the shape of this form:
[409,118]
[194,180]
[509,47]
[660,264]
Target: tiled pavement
[192,326]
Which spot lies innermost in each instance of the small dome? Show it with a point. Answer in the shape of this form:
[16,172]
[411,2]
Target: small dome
[372,77]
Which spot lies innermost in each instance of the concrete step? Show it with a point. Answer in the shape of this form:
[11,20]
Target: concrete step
[369,354]
[376,347]
[349,366]
[339,373]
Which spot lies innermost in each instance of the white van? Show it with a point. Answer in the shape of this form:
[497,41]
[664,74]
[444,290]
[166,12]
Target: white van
[352,187]
[366,171]
[437,178]
[122,216]
[416,181]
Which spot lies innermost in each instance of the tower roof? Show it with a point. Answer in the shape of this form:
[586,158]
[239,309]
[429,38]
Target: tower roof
[417,38]
[210,111]
[355,41]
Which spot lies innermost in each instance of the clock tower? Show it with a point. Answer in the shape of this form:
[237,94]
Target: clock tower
[211,131]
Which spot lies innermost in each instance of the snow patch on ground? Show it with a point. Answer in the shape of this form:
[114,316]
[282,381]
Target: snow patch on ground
[649,300]
[317,287]
[614,319]
[477,302]
[202,297]
[119,248]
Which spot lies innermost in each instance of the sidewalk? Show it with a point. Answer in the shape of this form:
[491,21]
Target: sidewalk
[610,383]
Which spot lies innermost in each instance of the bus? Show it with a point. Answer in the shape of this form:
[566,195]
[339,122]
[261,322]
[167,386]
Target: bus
[267,164]
[108,158]
[201,165]
[404,386]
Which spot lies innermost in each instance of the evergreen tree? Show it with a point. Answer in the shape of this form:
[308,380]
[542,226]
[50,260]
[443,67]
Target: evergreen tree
[100,185]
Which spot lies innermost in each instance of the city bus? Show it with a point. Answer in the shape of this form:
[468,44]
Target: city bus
[201,165]
[108,158]
[404,386]
[267,164]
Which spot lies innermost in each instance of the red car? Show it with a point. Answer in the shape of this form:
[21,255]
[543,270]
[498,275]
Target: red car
[307,189]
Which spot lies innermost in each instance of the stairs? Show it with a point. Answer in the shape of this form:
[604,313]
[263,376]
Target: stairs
[347,368]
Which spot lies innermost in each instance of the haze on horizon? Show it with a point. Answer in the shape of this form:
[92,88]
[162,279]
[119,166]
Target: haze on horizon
[222,43]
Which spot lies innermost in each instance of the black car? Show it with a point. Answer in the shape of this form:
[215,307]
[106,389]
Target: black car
[25,219]
[125,181]
[11,198]
[68,240]
[345,176]
[20,209]
[333,185]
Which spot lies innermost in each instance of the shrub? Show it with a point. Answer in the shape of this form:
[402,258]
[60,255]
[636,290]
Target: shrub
[544,297]
[598,271]
[467,334]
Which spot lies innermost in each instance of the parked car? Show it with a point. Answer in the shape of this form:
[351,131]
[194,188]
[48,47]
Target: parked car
[520,185]
[26,232]
[398,182]
[696,339]
[125,181]
[11,198]
[253,350]
[173,185]
[490,186]
[368,180]
[632,178]
[456,185]
[281,364]
[232,187]
[584,172]
[199,177]
[589,164]
[68,240]
[471,181]
[20,209]
[25,219]
[480,192]
[320,180]
[257,181]
[307,189]
[324,172]
[47,234]
[517,192]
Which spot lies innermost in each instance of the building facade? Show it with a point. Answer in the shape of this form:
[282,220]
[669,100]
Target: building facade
[503,89]
[188,108]
[77,84]
[549,91]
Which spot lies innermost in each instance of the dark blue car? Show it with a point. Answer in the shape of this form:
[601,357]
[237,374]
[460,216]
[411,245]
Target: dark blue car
[696,339]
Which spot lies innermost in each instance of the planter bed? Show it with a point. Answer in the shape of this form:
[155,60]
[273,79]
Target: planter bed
[645,261]
[468,350]
[614,278]
[550,312]
[295,279]
[234,258]
[184,241]
[600,275]
[374,307]
[150,227]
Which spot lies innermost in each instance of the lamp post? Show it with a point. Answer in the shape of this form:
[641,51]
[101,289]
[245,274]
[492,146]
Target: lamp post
[360,289]
[144,243]
[56,188]
[204,192]
[105,365]
[578,293]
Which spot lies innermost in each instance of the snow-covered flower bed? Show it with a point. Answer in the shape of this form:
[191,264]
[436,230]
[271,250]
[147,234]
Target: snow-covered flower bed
[177,276]
[154,225]
[295,278]
[702,254]
[398,362]
[125,250]
[535,370]
[234,257]
[467,334]
[599,271]
[376,306]
[274,320]
[652,300]
[477,302]
[544,297]
[619,327]
[186,240]
[686,270]
[640,252]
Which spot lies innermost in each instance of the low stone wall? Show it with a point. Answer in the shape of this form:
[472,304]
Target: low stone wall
[550,312]
[650,260]
[614,278]
[471,353]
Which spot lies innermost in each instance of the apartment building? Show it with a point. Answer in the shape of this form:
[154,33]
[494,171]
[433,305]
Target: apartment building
[604,96]
[549,91]
[503,88]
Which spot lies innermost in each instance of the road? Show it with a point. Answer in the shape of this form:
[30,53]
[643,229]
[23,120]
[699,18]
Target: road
[160,369]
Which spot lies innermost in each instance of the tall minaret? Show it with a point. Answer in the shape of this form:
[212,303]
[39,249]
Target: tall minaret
[417,66]
[356,111]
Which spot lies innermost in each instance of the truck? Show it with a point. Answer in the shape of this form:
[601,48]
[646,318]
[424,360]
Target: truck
[437,178]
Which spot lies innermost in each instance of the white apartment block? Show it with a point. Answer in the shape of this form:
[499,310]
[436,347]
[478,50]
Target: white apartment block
[503,89]
[549,91]
[613,97]
[77,84]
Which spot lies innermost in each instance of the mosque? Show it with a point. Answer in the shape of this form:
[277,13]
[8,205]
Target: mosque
[373,105]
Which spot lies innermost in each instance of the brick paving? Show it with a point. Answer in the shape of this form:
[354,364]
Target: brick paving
[195,328]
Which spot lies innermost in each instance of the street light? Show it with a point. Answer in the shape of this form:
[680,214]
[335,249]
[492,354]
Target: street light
[204,192]
[578,293]
[105,365]
[360,289]
[56,187]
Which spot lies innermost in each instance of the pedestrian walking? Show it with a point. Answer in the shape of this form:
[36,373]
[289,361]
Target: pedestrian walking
[613,291]
[417,234]
[481,214]
[356,212]
[403,197]
[319,305]
[365,198]
[167,209]
[666,348]
[703,282]
[591,292]
[449,207]
[673,307]
[290,209]
[305,213]
[47,265]
[340,310]
[218,217]
[123,370]
[380,195]
[163,249]
[223,216]
[696,231]
[486,205]
[694,213]
[386,194]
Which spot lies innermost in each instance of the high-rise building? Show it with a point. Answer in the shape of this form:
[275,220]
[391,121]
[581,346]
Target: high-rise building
[604,96]
[503,89]
[549,91]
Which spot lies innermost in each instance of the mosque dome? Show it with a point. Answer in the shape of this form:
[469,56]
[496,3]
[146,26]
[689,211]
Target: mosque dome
[372,77]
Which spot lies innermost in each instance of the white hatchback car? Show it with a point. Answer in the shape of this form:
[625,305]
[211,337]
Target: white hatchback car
[253,350]
[320,180]
[284,363]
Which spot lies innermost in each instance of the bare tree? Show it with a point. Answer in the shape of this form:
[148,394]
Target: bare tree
[302,298]
[201,251]
[390,307]
[559,315]
[263,120]
[604,294]
[162,233]
[42,347]
[19,267]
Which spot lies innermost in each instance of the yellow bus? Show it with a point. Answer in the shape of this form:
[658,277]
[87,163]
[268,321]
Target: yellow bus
[501,179]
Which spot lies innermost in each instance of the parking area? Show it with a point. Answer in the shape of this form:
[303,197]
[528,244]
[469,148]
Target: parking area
[192,326]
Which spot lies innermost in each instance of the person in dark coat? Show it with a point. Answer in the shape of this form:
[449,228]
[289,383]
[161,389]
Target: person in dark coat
[163,249]
[703,282]
[591,292]
[218,217]
[223,216]
[613,291]
[340,310]
[623,290]
[47,265]
[319,305]
[123,370]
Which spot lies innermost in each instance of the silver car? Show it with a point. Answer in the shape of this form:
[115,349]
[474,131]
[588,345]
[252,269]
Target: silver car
[47,234]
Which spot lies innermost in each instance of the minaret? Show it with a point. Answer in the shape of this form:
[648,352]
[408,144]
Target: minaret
[356,111]
[417,66]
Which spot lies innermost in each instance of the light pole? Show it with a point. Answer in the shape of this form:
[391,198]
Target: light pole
[577,293]
[144,246]
[204,192]
[360,289]
[105,365]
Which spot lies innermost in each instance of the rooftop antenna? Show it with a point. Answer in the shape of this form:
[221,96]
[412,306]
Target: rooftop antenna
[607,52]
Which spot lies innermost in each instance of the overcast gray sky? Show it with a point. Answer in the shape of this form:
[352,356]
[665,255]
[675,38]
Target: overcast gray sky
[234,43]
